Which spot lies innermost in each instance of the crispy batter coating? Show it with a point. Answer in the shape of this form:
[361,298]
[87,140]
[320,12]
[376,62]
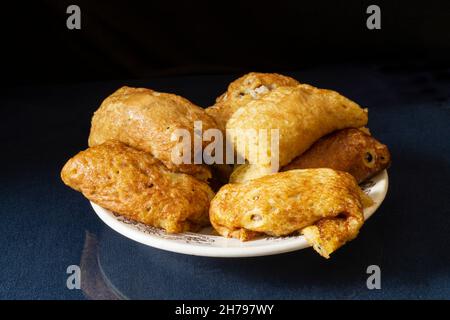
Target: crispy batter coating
[145,119]
[302,114]
[246,172]
[287,202]
[328,235]
[243,90]
[135,184]
[349,150]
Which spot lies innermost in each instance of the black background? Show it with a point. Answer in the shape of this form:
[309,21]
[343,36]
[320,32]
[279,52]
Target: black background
[141,39]
[53,79]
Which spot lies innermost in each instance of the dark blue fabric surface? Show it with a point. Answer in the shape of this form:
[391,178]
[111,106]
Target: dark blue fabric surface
[44,224]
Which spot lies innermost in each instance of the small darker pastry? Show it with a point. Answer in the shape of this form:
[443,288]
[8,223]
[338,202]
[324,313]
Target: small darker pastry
[349,150]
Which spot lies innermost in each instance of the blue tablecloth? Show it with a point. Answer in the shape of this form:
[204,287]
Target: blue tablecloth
[45,225]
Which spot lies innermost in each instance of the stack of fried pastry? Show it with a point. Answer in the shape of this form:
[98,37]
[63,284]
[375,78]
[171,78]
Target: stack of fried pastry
[324,153]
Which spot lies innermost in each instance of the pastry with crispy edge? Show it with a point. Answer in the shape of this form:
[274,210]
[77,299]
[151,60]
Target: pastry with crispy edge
[249,87]
[241,91]
[349,150]
[145,119]
[288,202]
[136,185]
[302,114]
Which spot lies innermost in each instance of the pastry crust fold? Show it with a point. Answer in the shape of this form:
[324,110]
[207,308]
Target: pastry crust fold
[241,91]
[302,114]
[284,203]
[145,119]
[134,184]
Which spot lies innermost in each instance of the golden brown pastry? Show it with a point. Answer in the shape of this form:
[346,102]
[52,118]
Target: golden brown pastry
[302,114]
[145,119]
[246,172]
[249,87]
[349,150]
[135,184]
[283,203]
[243,90]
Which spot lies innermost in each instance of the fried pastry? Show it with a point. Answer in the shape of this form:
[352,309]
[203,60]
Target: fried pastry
[288,202]
[246,172]
[145,119]
[302,114]
[243,90]
[249,87]
[136,185]
[349,150]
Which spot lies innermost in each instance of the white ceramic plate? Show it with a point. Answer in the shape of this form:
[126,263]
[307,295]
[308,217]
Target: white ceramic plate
[205,243]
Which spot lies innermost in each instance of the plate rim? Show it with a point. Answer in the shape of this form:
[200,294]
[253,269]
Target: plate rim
[275,247]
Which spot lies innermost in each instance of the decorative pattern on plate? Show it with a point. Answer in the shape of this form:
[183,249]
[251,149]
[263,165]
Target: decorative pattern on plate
[292,236]
[187,237]
[367,186]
